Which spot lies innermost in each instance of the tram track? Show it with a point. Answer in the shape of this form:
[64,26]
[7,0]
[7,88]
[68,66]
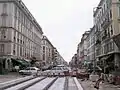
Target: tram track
[26,84]
[47,83]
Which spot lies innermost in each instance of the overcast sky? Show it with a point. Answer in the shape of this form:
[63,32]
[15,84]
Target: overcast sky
[63,21]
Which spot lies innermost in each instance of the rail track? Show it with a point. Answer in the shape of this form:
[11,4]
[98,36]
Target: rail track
[47,83]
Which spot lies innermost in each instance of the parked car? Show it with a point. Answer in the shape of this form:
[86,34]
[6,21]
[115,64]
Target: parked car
[57,71]
[29,71]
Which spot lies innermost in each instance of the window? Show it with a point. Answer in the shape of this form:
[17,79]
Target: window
[104,8]
[119,12]
[2,48]
[112,45]
[43,56]
[110,13]
[108,32]
[4,8]
[43,48]
[14,39]
[14,46]
[3,36]
[111,30]
[15,11]
[20,51]
[13,52]
[18,40]
[4,14]
[44,42]
[3,20]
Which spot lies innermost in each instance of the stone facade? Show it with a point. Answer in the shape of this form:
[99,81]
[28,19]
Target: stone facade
[47,51]
[91,46]
[106,21]
[20,34]
[57,58]
[82,49]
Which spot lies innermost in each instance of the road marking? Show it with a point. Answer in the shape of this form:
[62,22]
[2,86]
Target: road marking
[78,84]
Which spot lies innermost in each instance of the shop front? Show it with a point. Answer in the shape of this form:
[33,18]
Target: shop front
[107,63]
[5,65]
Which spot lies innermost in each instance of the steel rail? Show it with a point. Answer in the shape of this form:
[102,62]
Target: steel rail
[66,84]
[50,84]
[30,84]
[13,84]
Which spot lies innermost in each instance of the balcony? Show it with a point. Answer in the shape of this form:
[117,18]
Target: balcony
[5,41]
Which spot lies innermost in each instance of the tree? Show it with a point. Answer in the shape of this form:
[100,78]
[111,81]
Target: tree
[33,60]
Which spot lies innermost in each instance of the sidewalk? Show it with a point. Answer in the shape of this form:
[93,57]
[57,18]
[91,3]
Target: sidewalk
[89,85]
[10,76]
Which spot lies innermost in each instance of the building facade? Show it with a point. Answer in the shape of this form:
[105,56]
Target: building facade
[91,57]
[61,61]
[47,51]
[82,49]
[106,21]
[74,62]
[20,34]
[57,58]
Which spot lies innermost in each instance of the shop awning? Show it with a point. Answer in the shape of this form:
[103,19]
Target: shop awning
[105,57]
[20,62]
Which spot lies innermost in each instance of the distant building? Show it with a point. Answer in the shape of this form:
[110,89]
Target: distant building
[82,49]
[57,58]
[73,62]
[47,52]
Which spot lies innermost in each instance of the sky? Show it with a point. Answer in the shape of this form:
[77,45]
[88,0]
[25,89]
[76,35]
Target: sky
[63,21]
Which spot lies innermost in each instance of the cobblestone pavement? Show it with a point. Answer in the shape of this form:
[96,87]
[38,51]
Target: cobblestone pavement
[89,85]
[10,76]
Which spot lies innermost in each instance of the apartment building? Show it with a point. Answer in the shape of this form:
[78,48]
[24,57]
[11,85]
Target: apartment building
[20,34]
[55,56]
[107,24]
[91,57]
[47,52]
[61,60]
[74,61]
[82,49]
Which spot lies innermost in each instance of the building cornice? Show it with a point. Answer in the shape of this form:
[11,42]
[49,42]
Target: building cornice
[96,11]
[24,9]
[45,38]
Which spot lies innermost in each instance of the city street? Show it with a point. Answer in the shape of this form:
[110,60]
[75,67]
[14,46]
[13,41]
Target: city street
[44,83]
[54,83]
[60,45]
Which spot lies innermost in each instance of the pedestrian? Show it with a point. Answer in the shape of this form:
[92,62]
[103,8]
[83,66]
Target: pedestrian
[101,79]
[106,73]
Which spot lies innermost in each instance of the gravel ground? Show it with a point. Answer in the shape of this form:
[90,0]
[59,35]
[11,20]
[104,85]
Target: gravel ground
[89,85]
[10,76]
